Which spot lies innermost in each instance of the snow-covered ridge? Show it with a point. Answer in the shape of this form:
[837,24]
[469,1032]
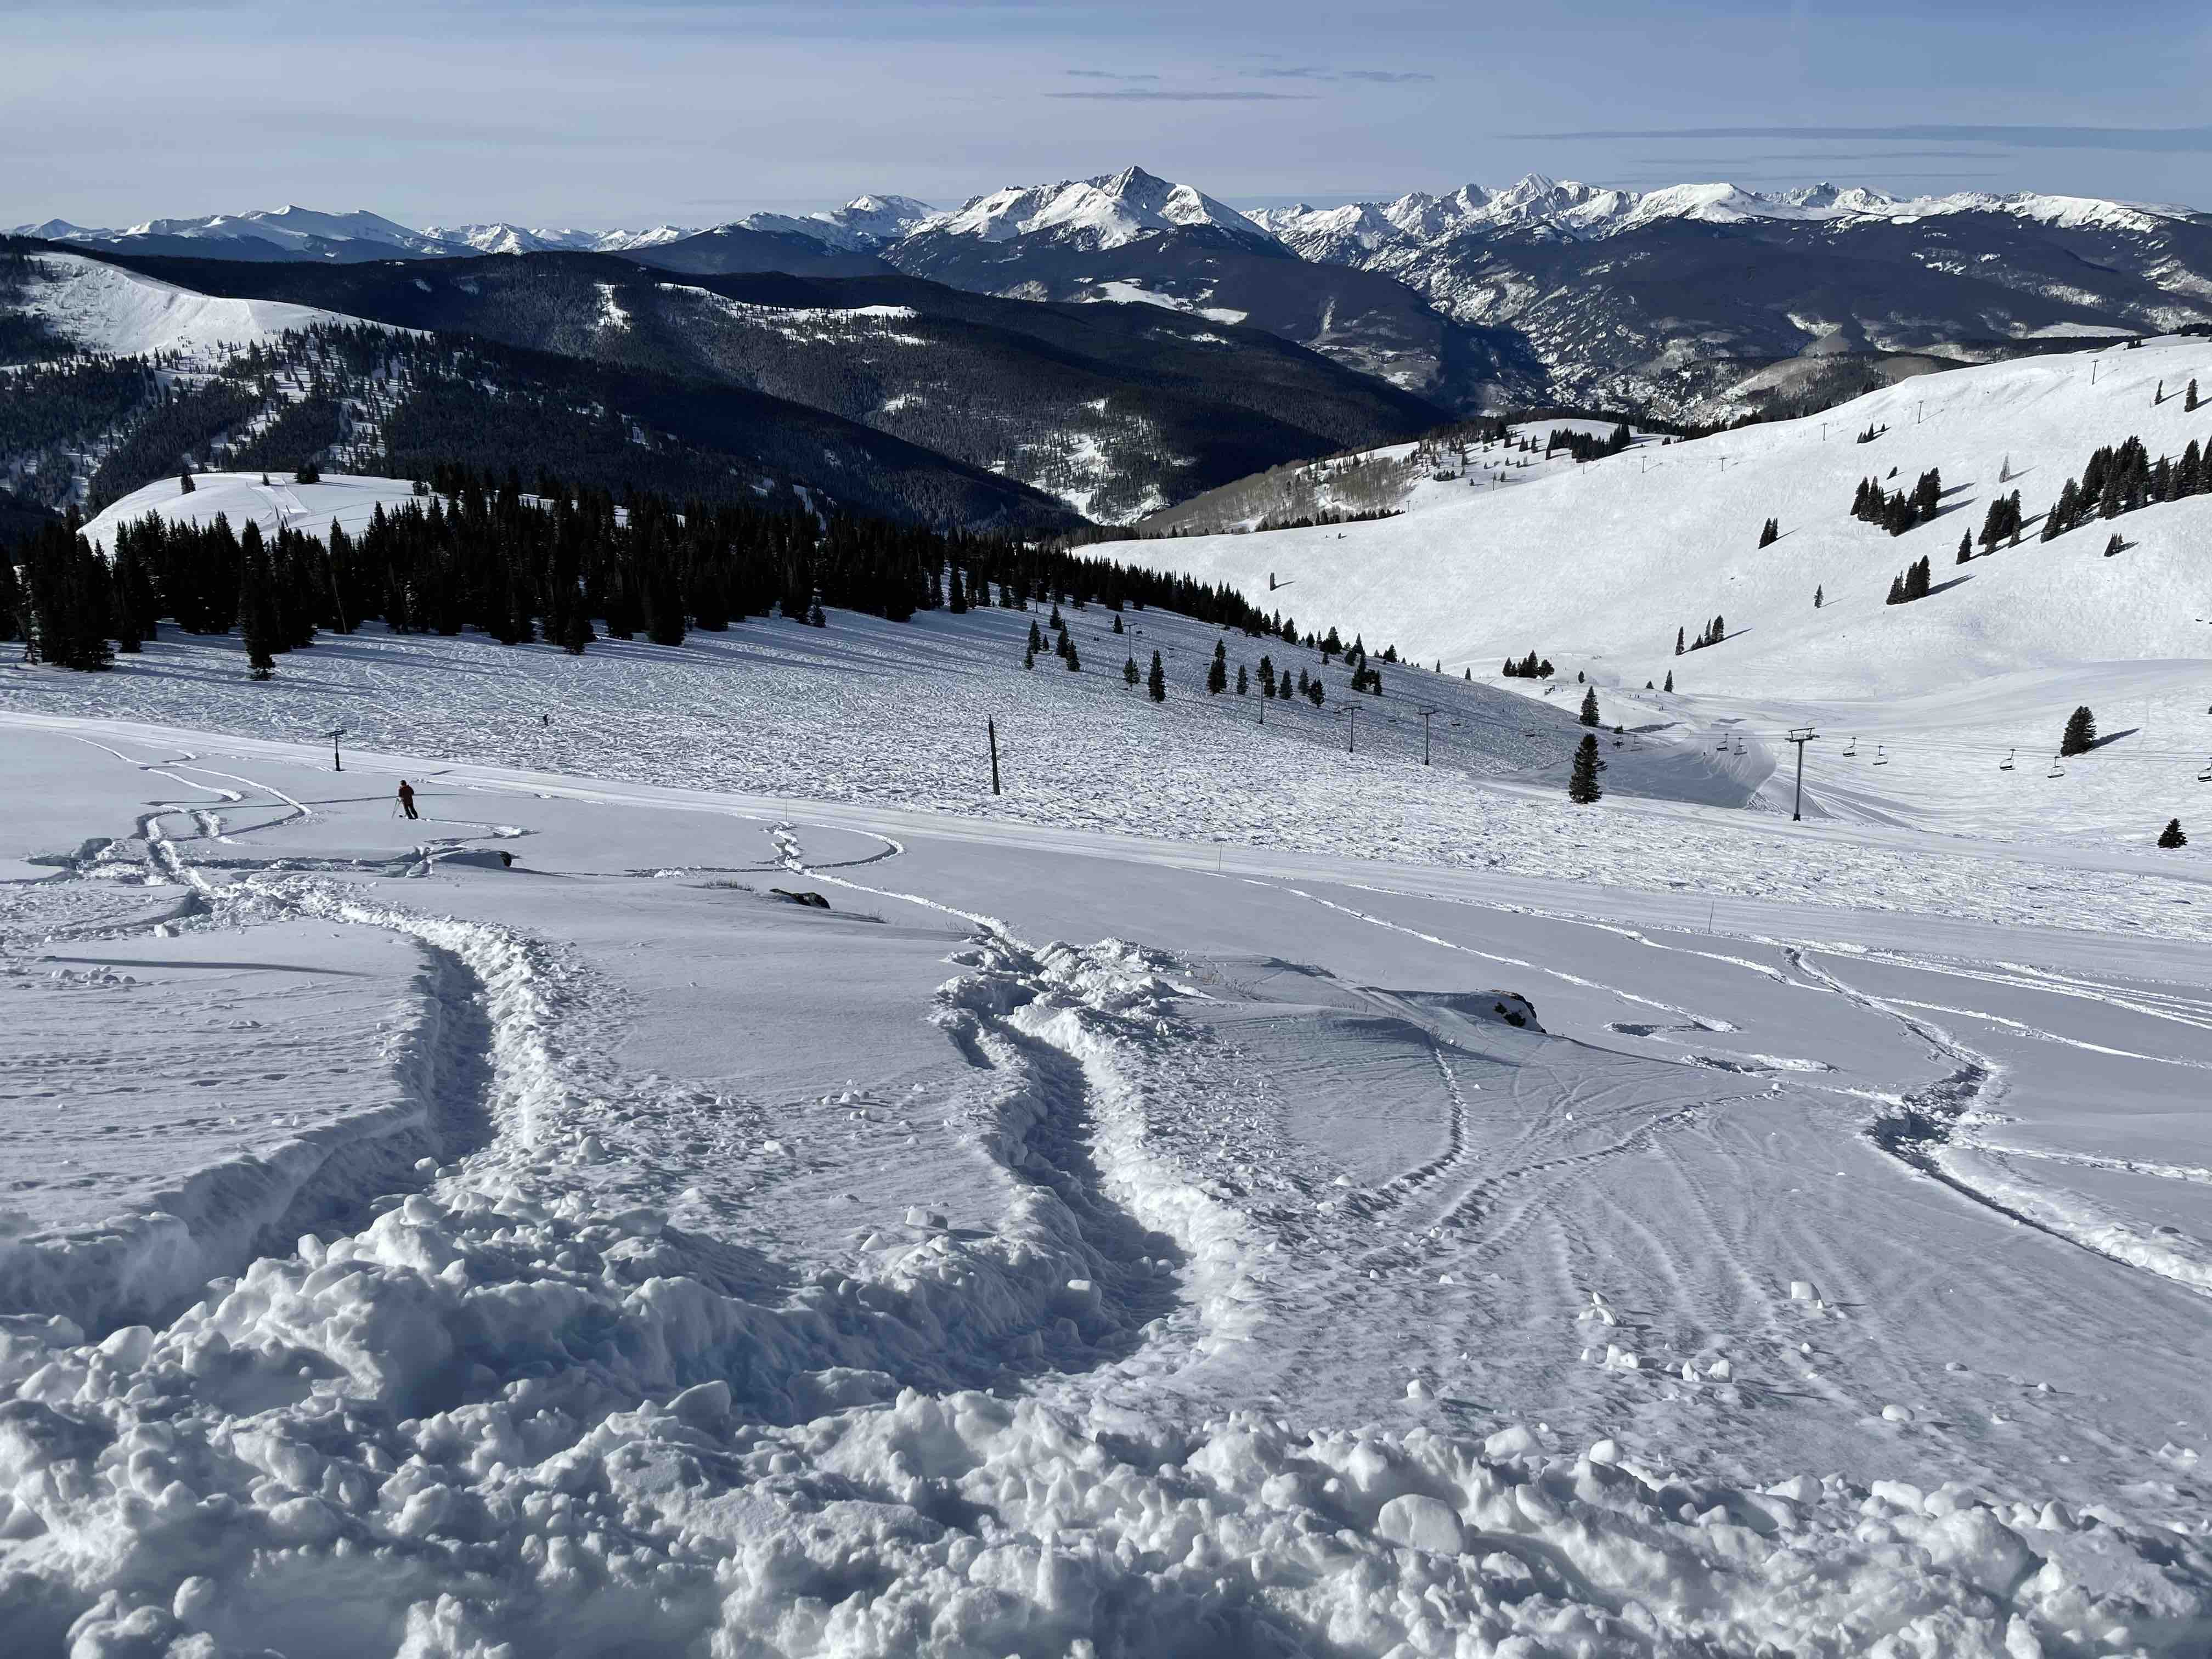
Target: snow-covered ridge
[1570,210]
[499,238]
[102,307]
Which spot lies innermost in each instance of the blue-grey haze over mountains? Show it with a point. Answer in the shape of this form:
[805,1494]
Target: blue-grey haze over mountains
[604,113]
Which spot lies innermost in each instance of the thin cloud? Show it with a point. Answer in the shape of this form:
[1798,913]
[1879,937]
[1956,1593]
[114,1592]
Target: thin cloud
[1109,75]
[2175,140]
[1131,95]
[1384,77]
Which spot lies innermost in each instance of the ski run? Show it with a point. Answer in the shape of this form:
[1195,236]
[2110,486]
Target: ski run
[1242,1191]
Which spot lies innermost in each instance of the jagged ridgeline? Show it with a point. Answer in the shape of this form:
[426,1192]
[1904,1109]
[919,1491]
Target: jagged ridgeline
[547,563]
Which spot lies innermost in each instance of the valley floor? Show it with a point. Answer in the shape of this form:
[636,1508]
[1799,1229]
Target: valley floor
[1411,1218]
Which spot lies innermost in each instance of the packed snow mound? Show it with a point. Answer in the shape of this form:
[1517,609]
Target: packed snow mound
[244,498]
[1597,565]
[104,308]
[1101,212]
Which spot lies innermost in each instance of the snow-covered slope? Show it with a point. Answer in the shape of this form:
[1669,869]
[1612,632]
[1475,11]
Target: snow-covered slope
[102,307]
[1355,1249]
[1600,563]
[242,498]
[1597,566]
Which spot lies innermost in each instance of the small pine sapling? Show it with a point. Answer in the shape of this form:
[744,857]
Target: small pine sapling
[2172,835]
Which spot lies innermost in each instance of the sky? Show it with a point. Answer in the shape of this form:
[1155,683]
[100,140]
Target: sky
[604,115]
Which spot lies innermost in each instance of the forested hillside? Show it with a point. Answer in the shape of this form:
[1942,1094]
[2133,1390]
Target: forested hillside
[1117,410]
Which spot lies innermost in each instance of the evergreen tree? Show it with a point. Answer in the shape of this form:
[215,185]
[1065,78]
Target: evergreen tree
[1217,673]
[2115,545]
[955,598]
[66,598]
[1819,596]
[184,484]
[257,607]
[1129,674]
[1582,786]
[1916,579]
[1156,682]
[1117,625]
[1678,641]
[1029,656]
[1770,533]
[1670,682]
[2189,401]
[1589,706]
[2172,835]
[1266,675]
[2081,734]
[1966,549]
[816,617]
[1314,694]
[1242,684]
[575,628]
[1896,591]
[1075,663]
[1037,637]
[308,473]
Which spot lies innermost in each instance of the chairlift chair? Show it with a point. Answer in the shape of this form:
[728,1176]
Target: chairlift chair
[1852,749]
[1880,756]
[2005,765]
[2057,770]
[2205,776]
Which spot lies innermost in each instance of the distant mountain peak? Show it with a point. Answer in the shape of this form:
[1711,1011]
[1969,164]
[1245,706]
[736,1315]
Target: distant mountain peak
[1104,212]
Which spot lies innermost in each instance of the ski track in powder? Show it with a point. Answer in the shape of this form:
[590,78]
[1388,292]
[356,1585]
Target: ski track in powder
[517,1394]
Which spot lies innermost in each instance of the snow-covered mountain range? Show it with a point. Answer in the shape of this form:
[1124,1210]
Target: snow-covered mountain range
[1671,300]
[1571,211]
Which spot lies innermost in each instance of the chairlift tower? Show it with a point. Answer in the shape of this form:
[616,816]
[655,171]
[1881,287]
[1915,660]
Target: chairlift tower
[1800,736]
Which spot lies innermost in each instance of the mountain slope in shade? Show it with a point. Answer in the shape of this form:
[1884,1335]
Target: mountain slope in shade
[1116,410]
